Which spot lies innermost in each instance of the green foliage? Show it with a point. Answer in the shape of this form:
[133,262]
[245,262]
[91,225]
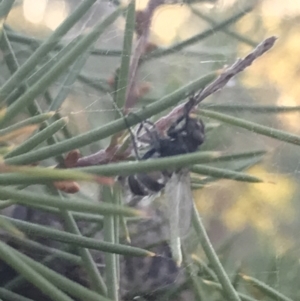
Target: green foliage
[27,108]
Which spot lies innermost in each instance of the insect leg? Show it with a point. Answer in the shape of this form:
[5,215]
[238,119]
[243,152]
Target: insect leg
[152,134]
[135,149]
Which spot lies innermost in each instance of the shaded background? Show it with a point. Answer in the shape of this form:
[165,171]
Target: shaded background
[261,221]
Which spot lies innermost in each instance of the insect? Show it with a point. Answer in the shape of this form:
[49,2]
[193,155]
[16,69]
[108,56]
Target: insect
[184,136]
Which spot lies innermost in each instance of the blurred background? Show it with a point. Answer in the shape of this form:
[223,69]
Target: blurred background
[261,221]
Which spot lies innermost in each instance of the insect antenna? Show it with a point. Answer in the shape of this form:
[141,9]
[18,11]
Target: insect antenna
[191,103]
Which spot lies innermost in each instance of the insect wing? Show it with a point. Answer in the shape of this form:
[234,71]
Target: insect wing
[179,209]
